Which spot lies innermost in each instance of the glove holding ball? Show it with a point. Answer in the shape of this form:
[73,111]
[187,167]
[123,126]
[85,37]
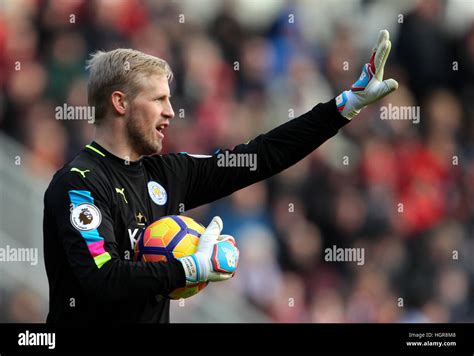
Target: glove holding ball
[216,258]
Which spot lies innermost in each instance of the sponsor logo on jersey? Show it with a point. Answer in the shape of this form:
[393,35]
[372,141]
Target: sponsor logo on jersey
[86,217]
[133,235]
[157,193]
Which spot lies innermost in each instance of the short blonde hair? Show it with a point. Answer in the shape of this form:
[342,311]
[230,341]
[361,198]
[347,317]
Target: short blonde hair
[119,69]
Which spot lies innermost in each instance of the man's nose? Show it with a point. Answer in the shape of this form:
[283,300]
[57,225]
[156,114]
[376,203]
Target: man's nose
[168,111]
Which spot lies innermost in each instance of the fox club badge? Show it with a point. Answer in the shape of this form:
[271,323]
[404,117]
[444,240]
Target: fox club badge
[157,193]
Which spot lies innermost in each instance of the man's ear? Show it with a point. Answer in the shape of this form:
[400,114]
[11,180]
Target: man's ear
[119,102]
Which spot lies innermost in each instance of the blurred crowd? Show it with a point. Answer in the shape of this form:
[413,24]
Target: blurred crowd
[401,190]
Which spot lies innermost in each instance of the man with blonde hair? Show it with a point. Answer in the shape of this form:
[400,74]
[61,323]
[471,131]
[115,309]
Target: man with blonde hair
[97,204]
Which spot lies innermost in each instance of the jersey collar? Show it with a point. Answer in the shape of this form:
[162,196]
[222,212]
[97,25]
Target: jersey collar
[97,150]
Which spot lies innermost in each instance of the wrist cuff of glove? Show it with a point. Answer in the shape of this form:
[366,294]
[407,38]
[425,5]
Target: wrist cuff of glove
[345,105]
[191,269]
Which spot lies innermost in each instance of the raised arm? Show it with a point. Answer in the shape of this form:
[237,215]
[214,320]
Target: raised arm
[207,178]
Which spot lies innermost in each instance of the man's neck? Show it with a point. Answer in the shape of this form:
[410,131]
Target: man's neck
[115,143]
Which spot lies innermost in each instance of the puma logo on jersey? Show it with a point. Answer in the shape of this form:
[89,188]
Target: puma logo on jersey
[82,173]
[122,193]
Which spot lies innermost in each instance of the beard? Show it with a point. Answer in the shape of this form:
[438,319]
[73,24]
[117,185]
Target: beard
[142,139]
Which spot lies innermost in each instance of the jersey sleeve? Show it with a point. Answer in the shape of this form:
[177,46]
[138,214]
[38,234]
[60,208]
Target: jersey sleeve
[208,178]
[79,209]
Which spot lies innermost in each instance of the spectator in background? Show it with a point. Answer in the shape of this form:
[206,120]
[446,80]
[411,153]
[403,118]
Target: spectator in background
[423,48]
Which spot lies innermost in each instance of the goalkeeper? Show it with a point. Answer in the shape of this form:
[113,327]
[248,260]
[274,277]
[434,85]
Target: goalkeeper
[97,204]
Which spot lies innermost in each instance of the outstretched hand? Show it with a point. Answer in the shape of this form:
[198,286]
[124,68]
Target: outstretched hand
[370,86]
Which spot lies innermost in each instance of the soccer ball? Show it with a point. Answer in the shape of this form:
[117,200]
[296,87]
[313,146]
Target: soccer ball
[173,235]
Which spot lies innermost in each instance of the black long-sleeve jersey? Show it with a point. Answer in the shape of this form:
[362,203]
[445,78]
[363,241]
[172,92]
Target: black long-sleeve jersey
[97,204]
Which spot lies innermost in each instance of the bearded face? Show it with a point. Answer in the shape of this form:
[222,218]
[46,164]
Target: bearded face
[149,115]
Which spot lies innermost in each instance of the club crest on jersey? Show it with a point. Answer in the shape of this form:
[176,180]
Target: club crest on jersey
[86,217]
[157,193]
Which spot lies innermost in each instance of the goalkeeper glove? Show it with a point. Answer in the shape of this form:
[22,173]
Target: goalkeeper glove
[216,258]
[370,86]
